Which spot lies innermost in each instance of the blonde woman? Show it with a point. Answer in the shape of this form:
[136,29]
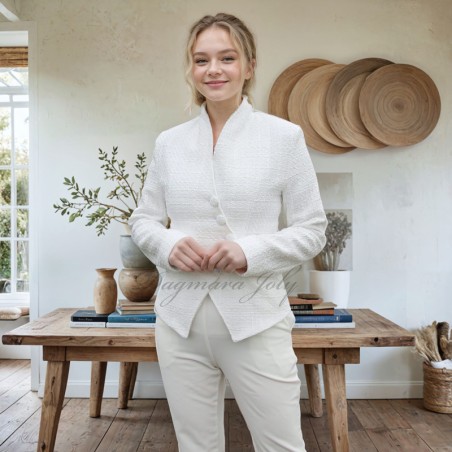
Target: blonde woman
[222,309]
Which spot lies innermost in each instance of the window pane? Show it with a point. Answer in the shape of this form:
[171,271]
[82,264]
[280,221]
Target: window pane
[9,77]
[5,223]
[22,223]
[22,266]
[22,187]
[21,135]
[5,136]
[4,98]
[5,187]
[5,259]
[20,98]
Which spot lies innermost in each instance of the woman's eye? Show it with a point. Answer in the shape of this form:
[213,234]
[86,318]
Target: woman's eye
[228,58]
[200,61]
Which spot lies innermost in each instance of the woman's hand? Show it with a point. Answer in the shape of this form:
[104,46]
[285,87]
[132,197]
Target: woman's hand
[187,255]
[226,256]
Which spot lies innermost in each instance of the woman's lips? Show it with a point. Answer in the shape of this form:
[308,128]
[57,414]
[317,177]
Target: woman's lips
[215,84]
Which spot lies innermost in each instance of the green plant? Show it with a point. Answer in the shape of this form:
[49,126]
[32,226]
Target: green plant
[124,193]
[338,231]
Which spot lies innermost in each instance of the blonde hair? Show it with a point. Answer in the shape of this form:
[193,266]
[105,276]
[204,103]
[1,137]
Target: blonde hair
[242,38]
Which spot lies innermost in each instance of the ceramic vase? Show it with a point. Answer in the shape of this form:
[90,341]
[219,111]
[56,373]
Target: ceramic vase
[131,255]
[105,291]
[331,286]
[138,284]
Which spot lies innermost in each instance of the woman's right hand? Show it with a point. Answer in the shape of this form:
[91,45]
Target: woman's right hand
[187,255]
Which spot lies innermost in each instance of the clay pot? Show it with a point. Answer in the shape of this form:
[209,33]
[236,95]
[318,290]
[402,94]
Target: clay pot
[138,284]
[105,291]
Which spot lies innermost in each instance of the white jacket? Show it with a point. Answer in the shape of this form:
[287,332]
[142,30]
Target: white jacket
[260,166]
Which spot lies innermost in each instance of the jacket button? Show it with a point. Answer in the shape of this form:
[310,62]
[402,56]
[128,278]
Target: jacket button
[221,220]
[214,201]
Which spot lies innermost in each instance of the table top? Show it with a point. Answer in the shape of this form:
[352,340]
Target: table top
[53,329]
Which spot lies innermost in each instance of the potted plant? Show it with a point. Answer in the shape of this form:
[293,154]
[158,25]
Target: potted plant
[119,204]
[328,280]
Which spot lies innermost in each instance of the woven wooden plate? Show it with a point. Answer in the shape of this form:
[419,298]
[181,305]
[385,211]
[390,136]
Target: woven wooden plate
[399,104]
[342,103]
[298,106]
[316,107]
[280,92]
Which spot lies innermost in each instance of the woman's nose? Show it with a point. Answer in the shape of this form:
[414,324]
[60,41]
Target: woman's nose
[214,67]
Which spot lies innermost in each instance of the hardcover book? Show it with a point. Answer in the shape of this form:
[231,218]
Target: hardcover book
[129,325]
[326,325]
[115,317]
[87,324]
[340,315]
[122,311]
[88,315]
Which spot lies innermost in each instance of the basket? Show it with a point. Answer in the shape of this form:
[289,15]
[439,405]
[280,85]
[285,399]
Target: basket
[437,389]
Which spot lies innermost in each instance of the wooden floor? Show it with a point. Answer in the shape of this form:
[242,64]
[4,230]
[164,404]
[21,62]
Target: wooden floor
[375,425]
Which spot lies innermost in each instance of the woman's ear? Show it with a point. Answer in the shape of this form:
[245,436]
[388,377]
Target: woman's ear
[250,70]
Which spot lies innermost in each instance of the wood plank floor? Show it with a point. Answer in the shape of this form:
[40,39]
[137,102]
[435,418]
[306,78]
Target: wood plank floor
[374,425]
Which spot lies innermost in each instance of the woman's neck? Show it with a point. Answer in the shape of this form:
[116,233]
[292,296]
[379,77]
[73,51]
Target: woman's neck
[219,112]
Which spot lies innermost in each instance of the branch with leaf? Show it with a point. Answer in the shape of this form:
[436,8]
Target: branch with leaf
[125,194]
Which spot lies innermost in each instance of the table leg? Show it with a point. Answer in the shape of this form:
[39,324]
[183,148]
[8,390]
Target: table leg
[313,382]
[52,403]
[334,381]
[133,380]
[125,378]
[98,371]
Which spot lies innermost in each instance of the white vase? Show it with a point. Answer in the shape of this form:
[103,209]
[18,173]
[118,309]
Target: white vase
[331,286]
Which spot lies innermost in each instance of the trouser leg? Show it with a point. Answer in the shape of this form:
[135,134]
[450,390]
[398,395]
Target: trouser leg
[194,387]
[263,375]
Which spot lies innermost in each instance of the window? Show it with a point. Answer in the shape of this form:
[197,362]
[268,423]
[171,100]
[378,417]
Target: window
[14,180]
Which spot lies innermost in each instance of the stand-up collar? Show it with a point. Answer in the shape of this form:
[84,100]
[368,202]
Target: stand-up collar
[236,121]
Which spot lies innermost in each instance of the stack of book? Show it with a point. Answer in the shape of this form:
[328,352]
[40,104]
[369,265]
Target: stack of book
[129,314]
[311,311]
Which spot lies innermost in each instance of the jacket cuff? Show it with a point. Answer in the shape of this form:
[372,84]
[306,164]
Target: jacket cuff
[251,249]
[172,236]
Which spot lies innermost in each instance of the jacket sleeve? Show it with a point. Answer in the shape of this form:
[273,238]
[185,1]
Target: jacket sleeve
[304,236]
[148,221]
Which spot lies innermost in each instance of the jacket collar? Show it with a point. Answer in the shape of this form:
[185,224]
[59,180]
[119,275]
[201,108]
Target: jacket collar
[234,123]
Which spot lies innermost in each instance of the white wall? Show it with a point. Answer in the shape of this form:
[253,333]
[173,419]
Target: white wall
[110,73]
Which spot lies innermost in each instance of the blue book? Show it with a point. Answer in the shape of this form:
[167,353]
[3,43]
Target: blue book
[115,317]
[340,315]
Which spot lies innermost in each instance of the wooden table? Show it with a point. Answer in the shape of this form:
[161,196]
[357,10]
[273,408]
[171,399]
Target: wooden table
[333,348]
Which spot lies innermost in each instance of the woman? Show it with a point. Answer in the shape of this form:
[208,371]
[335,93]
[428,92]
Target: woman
[222,308]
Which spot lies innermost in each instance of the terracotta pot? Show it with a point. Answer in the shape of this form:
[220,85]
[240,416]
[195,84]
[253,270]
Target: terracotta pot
[138,284]
[105,291]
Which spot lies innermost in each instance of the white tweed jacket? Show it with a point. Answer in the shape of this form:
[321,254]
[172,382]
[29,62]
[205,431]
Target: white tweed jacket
[260,166]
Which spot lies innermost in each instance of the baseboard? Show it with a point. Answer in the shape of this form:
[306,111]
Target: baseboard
[354,390]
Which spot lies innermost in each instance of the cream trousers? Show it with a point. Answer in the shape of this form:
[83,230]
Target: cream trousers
[261,371]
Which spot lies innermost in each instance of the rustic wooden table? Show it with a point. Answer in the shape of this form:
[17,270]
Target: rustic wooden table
[333,348]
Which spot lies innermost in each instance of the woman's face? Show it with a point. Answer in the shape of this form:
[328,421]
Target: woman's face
[217,70]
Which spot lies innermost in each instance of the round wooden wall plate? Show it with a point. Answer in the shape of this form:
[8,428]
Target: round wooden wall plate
[399,104]
[298,106]
[281,89]
[342,103]
[322,77]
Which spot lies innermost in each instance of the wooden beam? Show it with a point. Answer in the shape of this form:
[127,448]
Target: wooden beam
[9,10]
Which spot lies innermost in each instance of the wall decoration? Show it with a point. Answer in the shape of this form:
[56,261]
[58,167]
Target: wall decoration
[368,104]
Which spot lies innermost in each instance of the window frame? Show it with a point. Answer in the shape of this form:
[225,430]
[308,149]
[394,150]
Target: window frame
[15,297]
[24,34]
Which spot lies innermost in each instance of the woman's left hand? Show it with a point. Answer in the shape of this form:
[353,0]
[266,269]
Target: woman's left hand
[226,256]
